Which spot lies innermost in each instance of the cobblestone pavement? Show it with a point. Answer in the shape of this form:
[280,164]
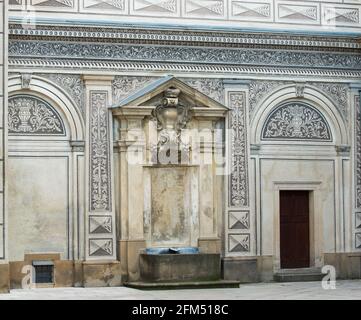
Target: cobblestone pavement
[300,290]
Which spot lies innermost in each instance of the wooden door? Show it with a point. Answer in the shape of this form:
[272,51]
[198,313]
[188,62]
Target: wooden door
[294,229]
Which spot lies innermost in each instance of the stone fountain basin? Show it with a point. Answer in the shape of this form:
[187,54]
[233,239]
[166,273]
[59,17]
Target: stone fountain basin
[184,250]
[186,267]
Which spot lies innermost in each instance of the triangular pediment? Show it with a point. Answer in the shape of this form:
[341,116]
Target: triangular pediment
[153,93]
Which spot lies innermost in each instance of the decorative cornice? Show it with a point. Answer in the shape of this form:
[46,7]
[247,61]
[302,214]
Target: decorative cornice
[231,38]
[112,66]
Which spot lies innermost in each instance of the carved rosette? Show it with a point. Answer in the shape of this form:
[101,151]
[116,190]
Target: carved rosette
[238,184]
[100,175]
[32,115]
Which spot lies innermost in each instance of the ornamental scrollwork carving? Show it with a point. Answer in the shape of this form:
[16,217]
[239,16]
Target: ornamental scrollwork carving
[213,88]
[100,175]
[171,117]
[72,84]
[296,121]
[357,152]
[32,115]
[238,185]
[236,56]
[258,90]
[124,86]
[338,92]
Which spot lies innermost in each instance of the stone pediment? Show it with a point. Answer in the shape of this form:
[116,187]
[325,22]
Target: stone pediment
[152,95]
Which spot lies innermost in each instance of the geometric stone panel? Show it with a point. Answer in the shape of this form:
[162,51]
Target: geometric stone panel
[358,220]
[100,247]
[154,7]
[341,15]
[205,8]
[116,5]
[239,243]
[247,10]
[238,220]
[358,240]
[302,13]
[100,224]
[53,3]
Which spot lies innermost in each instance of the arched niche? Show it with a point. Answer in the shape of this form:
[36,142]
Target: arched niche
[311,100]
[42,89]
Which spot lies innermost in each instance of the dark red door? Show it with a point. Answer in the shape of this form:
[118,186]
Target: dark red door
[295,229]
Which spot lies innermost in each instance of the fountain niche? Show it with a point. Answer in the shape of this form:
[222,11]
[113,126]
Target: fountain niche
[170,186]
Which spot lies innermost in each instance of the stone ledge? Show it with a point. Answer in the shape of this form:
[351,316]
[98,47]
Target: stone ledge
[182,285]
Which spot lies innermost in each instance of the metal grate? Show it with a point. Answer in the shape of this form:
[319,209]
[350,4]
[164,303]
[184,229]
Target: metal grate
[44,273]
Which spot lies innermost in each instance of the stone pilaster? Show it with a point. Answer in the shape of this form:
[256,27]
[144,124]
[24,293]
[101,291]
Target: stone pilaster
[239,220]
[4,267]
[132,157]
[356,156]
[100,218]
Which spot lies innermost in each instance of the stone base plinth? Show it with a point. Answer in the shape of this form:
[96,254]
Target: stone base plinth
[4,278]
[243,270]
[180,267]
[101,274]
[347,265]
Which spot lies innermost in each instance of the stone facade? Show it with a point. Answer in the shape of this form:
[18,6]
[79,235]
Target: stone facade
[4,253]
[258,112]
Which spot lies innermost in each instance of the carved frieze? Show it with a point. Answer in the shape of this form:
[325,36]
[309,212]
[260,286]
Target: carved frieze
[100,175]
[31,115]
[237,56]
[238,184]
[296,121]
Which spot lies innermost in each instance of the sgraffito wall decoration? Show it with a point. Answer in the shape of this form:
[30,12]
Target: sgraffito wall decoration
[100,176]
[296,121]
[238,185]
[31,115]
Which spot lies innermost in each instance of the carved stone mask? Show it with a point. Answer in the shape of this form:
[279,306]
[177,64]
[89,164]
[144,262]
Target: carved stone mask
[170,114]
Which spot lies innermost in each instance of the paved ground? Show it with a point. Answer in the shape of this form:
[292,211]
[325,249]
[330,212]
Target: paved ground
[301,290]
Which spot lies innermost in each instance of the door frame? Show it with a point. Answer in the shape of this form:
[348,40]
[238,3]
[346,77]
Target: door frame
[315,220]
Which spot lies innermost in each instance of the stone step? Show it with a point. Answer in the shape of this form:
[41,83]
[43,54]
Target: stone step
[219,284]
[298,275]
